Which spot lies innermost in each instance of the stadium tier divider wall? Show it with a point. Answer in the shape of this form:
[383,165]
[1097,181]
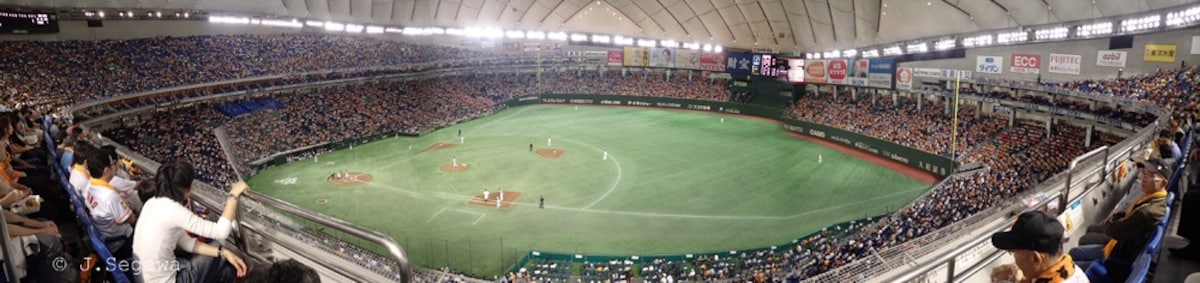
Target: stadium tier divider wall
[530,256]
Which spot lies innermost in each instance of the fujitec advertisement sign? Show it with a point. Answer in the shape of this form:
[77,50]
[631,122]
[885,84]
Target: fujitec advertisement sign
[1026,64]
[1065,63]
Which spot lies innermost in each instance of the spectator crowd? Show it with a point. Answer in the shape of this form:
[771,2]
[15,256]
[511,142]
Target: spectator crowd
[43,77]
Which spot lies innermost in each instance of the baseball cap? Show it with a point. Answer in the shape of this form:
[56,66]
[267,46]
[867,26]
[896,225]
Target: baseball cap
[1152,164]
[1034,230]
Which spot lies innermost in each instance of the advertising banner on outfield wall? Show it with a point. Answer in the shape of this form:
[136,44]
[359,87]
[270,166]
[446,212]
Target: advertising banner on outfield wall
[637,57]
[738,63]
[616,58]
[796,73]
[662,57]
[1160,53]
[814,71]
[1111,58]
[838,70]
[989,64]
[712,62]
[904,78]
[879,73]
[1025,63]
[946,74]
[687,59]
[1065,63]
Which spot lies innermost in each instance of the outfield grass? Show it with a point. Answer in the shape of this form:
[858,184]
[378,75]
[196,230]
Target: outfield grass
[676,182]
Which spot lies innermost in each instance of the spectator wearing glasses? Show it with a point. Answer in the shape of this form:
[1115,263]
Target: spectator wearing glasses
[1129,230]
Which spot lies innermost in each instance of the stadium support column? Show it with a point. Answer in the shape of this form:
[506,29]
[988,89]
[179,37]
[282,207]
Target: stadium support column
[1087,140]
[1049,122]
[1092,105]
[978,109]
[668,75]
[690,75]
[875,98]
[896,99]
[920,100]
[1012,117]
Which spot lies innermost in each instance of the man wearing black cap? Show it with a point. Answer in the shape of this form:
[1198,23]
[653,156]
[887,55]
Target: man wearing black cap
[1035,242]
[1129,230]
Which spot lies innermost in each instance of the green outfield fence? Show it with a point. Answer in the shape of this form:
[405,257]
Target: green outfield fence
[637,260]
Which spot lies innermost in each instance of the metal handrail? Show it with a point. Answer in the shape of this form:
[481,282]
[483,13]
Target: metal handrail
[1066,191]
[375,237]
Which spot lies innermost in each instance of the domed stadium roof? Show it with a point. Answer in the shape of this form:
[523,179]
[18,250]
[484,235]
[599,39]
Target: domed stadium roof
[786,25]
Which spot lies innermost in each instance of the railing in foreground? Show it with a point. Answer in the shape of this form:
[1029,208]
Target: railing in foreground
[265,206]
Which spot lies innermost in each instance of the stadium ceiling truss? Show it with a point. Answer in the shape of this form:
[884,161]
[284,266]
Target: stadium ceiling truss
[783,24]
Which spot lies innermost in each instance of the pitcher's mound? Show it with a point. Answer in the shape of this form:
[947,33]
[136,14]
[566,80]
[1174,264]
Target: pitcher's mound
[437,146]
[349,179]
[551,152]
[509,198]
[449,167]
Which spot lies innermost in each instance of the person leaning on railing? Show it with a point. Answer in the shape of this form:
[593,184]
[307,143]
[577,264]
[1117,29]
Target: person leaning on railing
[162,230]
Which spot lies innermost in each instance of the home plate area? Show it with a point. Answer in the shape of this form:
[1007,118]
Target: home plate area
[509,198]
[349,178]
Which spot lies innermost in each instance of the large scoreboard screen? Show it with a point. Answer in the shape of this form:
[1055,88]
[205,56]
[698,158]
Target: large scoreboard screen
[28,22]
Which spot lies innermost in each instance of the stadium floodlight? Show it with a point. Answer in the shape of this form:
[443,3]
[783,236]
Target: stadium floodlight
[434,30]
[668,44]
[1095,29]
[1051,33]
[100,13]
[228,20]
[158,14]
[374,29]
[558,35]
[646,43]
[354,28]
[393,30]
[692,46]
[893,51]
[413,31]
[707,48]
[280,23]
[621,40]
[314,23]
[455,31]
[332,26]
[185,15]
[535,35]
[718,49]
[832,54]
[944,44]
[978,41]
[849,53]
[919,47]
[870,53]
[596,38]
[1012,37]
[515,34]
[578,37]
[1140,24]
[1183,18]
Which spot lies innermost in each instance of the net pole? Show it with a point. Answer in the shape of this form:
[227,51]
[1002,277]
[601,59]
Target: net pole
[954,128]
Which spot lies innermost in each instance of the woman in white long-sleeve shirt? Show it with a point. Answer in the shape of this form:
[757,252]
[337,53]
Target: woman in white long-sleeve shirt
[163,228]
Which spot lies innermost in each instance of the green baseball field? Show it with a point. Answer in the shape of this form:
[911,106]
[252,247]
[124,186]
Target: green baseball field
[674,182]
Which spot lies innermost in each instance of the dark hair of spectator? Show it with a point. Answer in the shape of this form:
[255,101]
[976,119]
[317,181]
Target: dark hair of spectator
[100,159]
[285,271]
[82,150]
[174,180]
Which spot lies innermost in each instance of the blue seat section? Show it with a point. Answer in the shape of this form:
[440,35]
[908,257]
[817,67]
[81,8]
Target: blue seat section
[234,109]
[81,212]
